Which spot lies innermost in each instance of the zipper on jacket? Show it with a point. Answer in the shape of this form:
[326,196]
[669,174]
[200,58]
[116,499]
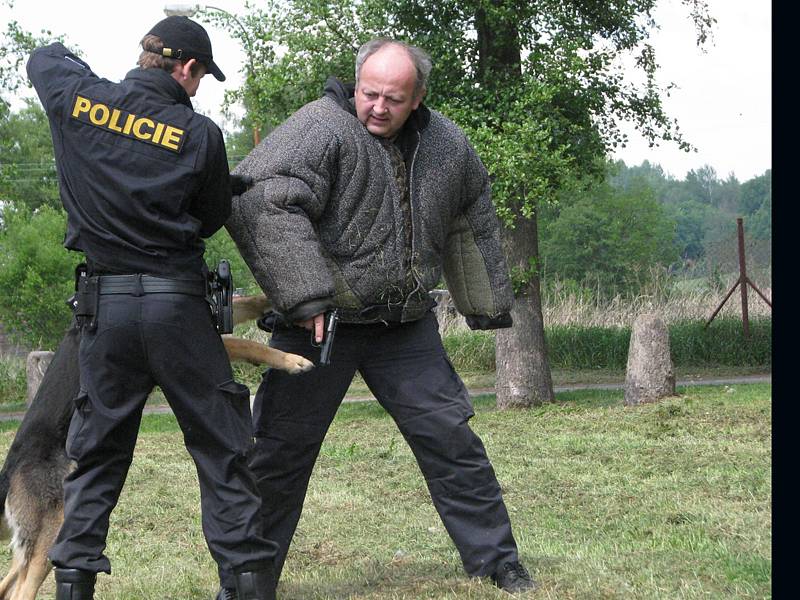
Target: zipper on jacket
[411,209]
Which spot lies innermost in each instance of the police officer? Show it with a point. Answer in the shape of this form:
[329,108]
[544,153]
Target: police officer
[143,179]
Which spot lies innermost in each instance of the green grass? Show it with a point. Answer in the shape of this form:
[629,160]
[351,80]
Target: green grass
[588,347]
[668,500]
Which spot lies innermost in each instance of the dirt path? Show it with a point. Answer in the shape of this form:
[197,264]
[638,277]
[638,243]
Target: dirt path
[481,391]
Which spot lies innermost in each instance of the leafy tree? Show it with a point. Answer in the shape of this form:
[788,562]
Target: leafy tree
[25,148]
[538,86]
[611,236]
[624,177]
[755,193]
[691,224]
[759,225]
[36,275]
[16,45]
[27,169]
[726,194]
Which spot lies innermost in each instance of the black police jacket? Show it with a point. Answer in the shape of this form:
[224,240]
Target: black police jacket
[141,175]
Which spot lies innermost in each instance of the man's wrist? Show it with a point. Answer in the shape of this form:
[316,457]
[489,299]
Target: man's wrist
[309,309]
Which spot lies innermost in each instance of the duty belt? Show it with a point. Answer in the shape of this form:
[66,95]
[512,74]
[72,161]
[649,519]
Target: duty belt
[140,284]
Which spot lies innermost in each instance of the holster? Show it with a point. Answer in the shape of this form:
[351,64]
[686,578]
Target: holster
[220,296]
[84,302]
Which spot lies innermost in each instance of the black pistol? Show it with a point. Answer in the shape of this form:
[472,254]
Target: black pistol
[332,318]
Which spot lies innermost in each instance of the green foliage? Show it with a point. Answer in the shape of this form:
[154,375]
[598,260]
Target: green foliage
[523,277]
[13,381]
[471,351]
[581,347]
[703,207]
[293,47]
[27,169]
[609,235]
[36,276]
[722,343]
[540,123]
[219,246]
[518,148]
[755,193]
[16,45]
[692,221]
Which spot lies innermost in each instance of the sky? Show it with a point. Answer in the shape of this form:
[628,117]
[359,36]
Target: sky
[723,99]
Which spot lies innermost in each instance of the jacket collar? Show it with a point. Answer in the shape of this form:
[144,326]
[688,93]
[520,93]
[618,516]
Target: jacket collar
[161,83]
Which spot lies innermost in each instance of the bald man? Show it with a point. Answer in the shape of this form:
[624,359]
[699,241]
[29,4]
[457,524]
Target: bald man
[363,200]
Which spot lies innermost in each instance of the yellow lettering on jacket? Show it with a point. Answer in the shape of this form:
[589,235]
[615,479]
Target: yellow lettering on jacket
[137,128]
[122,122]
[172,137]
[82,105]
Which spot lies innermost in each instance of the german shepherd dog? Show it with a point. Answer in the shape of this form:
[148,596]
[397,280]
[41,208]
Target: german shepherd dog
[31,480]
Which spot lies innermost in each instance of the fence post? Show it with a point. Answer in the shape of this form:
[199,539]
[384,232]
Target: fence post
[743,277]
[743,282]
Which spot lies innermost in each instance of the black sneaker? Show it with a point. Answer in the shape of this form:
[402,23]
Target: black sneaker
[513,578]
[227,594]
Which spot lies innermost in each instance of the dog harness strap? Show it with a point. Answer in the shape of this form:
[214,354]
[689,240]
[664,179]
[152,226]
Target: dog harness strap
[139,284]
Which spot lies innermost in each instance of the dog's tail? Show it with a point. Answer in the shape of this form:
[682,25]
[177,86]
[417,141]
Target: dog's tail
[44,427]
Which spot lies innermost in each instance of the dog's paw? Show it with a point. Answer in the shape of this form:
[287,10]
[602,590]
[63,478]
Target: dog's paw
[295,364]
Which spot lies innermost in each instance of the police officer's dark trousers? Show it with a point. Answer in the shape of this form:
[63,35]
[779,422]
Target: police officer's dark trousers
[408,371]
[168,340]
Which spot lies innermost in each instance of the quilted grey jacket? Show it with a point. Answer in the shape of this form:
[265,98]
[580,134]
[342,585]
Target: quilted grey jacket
[323,224]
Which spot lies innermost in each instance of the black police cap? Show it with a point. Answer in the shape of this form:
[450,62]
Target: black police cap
[184,39]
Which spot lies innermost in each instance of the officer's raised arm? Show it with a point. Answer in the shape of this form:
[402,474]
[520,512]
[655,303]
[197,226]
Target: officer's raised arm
[50,70]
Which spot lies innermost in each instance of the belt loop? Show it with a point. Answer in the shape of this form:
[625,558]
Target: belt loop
[138,288]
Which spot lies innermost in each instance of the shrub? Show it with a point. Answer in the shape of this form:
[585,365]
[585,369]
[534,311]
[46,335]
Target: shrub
[13,381]
[36,276]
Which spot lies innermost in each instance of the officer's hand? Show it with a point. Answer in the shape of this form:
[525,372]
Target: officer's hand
[240,184]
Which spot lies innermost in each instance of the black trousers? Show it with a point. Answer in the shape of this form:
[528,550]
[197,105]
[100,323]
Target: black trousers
[167,340]
[408,371]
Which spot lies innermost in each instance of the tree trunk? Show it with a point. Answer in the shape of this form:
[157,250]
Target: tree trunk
[523,372]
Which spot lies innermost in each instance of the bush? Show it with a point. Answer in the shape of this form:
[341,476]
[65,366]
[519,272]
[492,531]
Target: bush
[36,276]
[13,381]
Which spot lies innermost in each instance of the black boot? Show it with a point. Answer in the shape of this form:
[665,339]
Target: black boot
[74,584]
[513,578]
[226,594]
[256,585]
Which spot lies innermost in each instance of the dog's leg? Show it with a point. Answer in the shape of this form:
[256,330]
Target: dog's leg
[7,585]
[261,354]
[249,308]
[38,566]
[37,571]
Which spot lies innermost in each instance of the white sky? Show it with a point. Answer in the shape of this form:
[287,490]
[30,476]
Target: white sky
[723,102]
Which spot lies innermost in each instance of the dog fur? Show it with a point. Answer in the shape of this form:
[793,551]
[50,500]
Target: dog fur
[31,480]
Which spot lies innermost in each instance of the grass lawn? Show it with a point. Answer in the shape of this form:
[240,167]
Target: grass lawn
[670,500]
